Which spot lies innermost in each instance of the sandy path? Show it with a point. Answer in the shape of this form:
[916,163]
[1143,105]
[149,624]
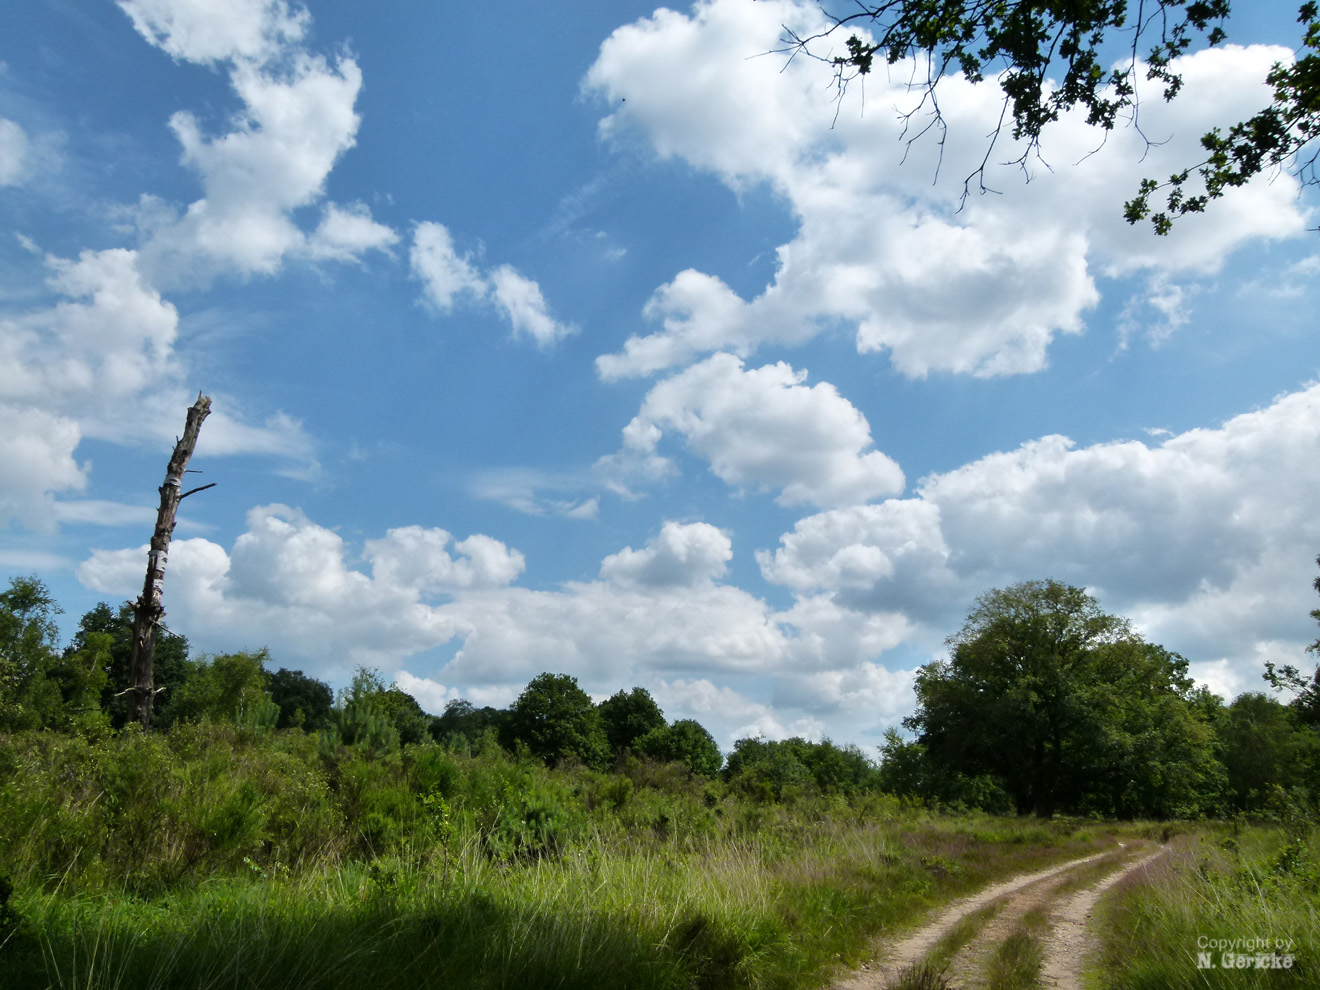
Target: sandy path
[1069,941]
[1065,948]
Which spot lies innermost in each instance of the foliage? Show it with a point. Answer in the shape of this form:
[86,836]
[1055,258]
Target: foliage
[231,687]
[1235,889]
[1264,752]
[1051,55]
[464,723]
[304,702]
[791,768]
[204,854]
[629,715]
[1066,708]
[362,715]
[556,720]
[169,663]
[686,742]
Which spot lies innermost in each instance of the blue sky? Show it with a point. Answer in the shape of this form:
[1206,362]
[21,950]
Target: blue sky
[592,341]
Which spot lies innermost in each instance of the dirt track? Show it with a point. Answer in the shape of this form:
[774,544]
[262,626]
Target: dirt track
[1051,893]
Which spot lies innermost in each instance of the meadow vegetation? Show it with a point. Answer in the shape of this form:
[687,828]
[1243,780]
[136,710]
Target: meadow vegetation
[268,833]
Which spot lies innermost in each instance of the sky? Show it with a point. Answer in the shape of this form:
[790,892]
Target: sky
[604,340]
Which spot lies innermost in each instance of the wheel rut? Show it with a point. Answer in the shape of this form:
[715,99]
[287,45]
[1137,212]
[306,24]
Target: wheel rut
[1059,911]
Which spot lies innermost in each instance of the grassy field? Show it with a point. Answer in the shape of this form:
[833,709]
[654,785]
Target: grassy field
[212,856]
[1244,890]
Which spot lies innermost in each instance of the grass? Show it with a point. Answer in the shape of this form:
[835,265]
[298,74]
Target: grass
[210,857]
[1221,886]
[1016,961]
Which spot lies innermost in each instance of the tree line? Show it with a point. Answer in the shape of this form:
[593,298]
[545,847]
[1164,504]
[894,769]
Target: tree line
[1044,704]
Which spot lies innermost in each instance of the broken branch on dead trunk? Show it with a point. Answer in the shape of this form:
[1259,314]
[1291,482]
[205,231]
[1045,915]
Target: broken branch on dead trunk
[148,610]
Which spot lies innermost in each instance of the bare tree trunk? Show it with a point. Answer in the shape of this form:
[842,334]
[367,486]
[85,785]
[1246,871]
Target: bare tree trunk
[148,609]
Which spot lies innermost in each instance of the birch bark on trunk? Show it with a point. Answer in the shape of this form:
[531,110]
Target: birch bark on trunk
[148,610]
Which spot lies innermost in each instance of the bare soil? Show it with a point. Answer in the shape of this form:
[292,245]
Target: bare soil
[1050,892]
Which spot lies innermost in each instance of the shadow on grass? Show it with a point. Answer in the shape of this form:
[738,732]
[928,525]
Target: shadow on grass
[466,941]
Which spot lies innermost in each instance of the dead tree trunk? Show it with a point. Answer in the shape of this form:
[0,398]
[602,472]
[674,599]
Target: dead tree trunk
[148,609]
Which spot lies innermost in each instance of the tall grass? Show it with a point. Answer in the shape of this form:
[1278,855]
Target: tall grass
[216,857]
[1256,888]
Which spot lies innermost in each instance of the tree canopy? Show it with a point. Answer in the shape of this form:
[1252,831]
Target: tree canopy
[1062,706]
[557,720]
[629,715]
[1053,55]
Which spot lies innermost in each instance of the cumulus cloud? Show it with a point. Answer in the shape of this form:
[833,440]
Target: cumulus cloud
[296,119]
[447,276]
[659,615]
[763,429]
[36,461]
[415,557]
[978,288]
[1193,537]
[199,31]
[98,360]
[689,555]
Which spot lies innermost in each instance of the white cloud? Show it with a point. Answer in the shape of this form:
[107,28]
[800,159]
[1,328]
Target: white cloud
[728,714]
[444,274]
[294,124]
[657,616]
[979,290]
[536,493]
[764,429]
[36,461]
[347,233]
[13,153]
[414,557]
[432,696]
[203,31]
[523,304]
[688,555]
[1193,537]
[98,512]
[296,118]
[98,360]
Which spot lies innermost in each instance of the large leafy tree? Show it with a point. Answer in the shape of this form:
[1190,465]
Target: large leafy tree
[1065,707]
[686,742]
[556,720]
[1053,55]
[629,715]
[304,702]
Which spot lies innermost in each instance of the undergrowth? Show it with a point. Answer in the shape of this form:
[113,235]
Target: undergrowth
[215,856]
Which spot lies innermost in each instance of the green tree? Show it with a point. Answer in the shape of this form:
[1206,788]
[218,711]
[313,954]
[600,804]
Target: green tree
[1064,707]
[686,742]
[557,720]
[39,686]
[461,720]
[28,634]
[229,687]
[1052,55]
[629,715]
[304,702]
[406,715]
[1262,750]
[169,669]
[361,717]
